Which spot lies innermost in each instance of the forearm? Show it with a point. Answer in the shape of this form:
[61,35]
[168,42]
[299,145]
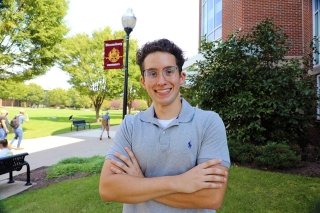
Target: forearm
[202,199]
[131,189]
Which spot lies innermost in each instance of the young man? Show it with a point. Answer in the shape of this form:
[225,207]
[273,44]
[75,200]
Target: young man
[18,131]
[172,157]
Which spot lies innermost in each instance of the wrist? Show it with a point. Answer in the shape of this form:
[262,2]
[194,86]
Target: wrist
[175,184]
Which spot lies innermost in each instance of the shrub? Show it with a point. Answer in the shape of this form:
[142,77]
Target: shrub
[70,166]
[260,95]
[277,156]
[116,104]
[139,105]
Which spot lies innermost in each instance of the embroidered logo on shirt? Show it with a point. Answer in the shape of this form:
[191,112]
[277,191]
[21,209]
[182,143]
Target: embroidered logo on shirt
[189,145]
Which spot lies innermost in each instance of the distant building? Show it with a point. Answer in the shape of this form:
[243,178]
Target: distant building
[300,20]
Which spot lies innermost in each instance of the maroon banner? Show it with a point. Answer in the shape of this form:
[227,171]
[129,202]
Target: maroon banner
[113,54]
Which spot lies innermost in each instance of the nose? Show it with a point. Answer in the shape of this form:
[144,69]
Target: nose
[161,79]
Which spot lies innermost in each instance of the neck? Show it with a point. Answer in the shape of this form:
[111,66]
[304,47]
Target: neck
[169,111]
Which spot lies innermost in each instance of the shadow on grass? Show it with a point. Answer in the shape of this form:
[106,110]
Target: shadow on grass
[315,208]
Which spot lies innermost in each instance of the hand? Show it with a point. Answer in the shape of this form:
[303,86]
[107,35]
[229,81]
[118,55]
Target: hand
[129,167]
[206,175]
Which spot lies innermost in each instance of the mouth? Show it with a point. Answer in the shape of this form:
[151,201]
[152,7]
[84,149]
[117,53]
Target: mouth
[163,91]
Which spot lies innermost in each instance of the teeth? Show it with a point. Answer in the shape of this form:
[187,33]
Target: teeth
[163,90]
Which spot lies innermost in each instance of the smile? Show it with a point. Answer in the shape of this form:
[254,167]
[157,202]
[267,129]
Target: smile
[163,91]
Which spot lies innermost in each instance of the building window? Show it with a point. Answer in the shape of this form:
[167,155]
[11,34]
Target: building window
[316,32]
[211,20]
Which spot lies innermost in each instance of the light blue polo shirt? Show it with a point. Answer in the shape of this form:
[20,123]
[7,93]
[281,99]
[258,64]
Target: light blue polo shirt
[194,137]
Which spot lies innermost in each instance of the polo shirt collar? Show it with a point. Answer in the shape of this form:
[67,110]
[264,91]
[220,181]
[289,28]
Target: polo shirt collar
[186,114]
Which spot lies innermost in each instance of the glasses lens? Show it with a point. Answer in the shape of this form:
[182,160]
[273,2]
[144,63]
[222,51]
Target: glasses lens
[150,74]
[169,71]
[166,72]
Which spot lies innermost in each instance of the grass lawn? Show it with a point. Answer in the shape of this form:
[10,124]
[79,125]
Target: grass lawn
[48,121]
[249,191]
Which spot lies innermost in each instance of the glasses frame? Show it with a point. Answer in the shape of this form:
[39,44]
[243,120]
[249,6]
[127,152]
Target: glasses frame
[163,71]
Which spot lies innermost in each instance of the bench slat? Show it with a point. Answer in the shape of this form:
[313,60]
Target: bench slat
[14,163]
[80,123]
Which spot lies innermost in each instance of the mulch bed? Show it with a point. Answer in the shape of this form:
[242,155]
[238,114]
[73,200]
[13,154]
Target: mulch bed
[39,180]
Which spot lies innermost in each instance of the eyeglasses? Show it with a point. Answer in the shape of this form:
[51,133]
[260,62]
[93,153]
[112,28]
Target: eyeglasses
[167,73]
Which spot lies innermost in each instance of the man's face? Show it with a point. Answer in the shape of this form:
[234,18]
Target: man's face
[162,79]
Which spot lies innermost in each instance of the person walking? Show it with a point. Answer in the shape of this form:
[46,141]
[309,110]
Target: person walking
[171,157]
[105,125]
[4,124]
[18,129]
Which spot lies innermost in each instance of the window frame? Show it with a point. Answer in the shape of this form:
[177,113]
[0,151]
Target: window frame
[207,20]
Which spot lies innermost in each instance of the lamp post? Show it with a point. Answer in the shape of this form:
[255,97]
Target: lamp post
[128,23]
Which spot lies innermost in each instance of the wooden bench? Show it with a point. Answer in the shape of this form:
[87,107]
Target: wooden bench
[80,123]
[14,163]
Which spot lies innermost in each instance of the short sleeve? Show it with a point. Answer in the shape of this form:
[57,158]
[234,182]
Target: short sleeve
[122,139]
[214,144]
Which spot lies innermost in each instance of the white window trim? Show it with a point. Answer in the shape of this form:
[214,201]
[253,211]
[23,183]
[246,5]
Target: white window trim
[316,55]
[204,29]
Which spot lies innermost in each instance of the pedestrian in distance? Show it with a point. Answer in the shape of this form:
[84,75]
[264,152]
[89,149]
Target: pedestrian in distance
[171,157]
[4,149]
[105,125]
[4,124]
[17,125]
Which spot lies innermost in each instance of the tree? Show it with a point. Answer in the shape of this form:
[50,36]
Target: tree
[84,62]
[76,100]
[57,97]
[12,90]
[30,31]
[33,95]
[265,100]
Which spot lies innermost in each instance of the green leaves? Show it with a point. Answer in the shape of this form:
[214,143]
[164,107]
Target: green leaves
[260,95]
[30,31]
[83,60]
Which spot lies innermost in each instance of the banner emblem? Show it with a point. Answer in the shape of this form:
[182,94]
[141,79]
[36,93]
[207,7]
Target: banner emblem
[113,54]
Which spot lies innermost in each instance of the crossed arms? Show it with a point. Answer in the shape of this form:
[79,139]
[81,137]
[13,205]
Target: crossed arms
[203,186]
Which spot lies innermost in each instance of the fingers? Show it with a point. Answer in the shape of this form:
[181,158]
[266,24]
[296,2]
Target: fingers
[123,158]
[215,171]
[209,163]
[119,165]
[117,170]
[131,155]
[215,179]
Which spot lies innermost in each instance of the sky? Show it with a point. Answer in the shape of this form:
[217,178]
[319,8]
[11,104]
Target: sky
[176,20]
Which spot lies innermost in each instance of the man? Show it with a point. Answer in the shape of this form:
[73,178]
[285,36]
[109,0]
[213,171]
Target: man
[172,157]
[4,150]
[105,125]
[18,131]
[4,124]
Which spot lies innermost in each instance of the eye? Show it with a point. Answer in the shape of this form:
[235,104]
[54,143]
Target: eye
[169,71]
[152,73]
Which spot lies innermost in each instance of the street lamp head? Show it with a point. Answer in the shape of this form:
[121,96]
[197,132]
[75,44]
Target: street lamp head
[128,21]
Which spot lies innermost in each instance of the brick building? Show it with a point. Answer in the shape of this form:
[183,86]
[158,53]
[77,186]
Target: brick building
[293,16]
[298,18]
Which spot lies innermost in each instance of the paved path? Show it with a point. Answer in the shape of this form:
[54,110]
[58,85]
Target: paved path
[49,150]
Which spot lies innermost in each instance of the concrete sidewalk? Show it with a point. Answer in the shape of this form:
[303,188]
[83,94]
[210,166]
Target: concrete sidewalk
[47,151]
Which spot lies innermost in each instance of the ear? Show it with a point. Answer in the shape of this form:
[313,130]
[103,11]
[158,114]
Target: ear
[183,76]
[142,82]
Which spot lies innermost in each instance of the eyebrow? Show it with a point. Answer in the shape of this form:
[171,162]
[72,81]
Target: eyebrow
[155,69]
